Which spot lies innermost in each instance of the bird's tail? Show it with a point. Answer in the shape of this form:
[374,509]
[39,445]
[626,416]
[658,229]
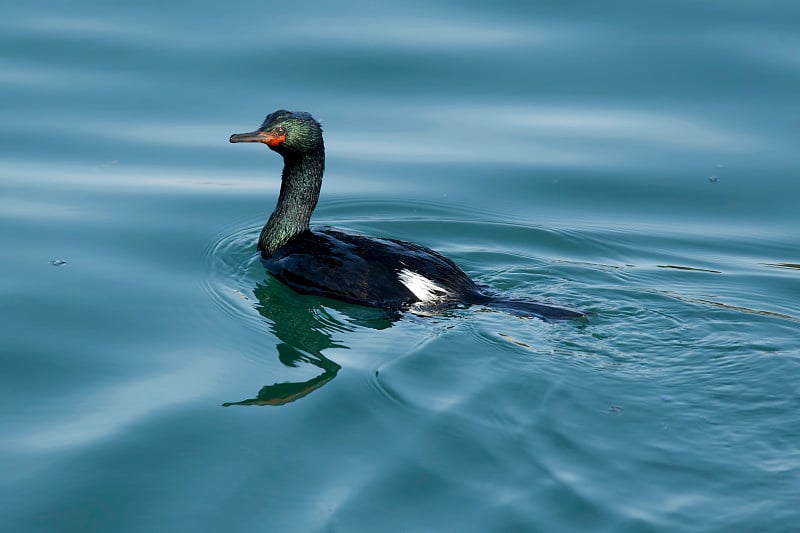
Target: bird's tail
[528,309]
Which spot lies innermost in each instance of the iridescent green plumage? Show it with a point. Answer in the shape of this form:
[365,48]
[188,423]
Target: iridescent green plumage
[298,138]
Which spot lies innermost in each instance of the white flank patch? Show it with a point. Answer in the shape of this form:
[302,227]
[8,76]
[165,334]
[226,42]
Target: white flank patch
[424,289]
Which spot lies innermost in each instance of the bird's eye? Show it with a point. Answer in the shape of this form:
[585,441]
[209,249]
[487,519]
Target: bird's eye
[280,130]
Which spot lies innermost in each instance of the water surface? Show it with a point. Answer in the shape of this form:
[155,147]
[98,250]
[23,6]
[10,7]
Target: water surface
[635,161]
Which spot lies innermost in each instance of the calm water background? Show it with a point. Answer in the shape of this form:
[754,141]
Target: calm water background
[638,161]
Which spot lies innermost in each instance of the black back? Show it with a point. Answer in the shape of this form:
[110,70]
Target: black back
[364,270]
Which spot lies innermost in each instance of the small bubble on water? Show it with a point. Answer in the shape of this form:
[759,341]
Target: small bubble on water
[57,262]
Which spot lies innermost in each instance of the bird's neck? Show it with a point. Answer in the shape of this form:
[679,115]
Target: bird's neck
[300,185]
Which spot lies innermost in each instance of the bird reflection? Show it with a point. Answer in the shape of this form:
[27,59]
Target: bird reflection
[305,329]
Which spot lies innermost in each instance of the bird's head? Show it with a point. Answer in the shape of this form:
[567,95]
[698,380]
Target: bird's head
[286,132]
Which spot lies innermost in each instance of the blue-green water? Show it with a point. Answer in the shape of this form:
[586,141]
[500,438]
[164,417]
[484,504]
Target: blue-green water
[635,160]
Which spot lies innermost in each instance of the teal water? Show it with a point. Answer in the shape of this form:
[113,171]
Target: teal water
[637,161]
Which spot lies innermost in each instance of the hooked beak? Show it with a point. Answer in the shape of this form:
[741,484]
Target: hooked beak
[269,138]
[257,136]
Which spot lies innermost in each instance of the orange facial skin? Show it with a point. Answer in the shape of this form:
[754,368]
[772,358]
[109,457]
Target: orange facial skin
[272,139]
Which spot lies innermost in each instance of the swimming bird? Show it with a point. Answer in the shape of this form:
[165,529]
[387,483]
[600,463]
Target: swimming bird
[390,274]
